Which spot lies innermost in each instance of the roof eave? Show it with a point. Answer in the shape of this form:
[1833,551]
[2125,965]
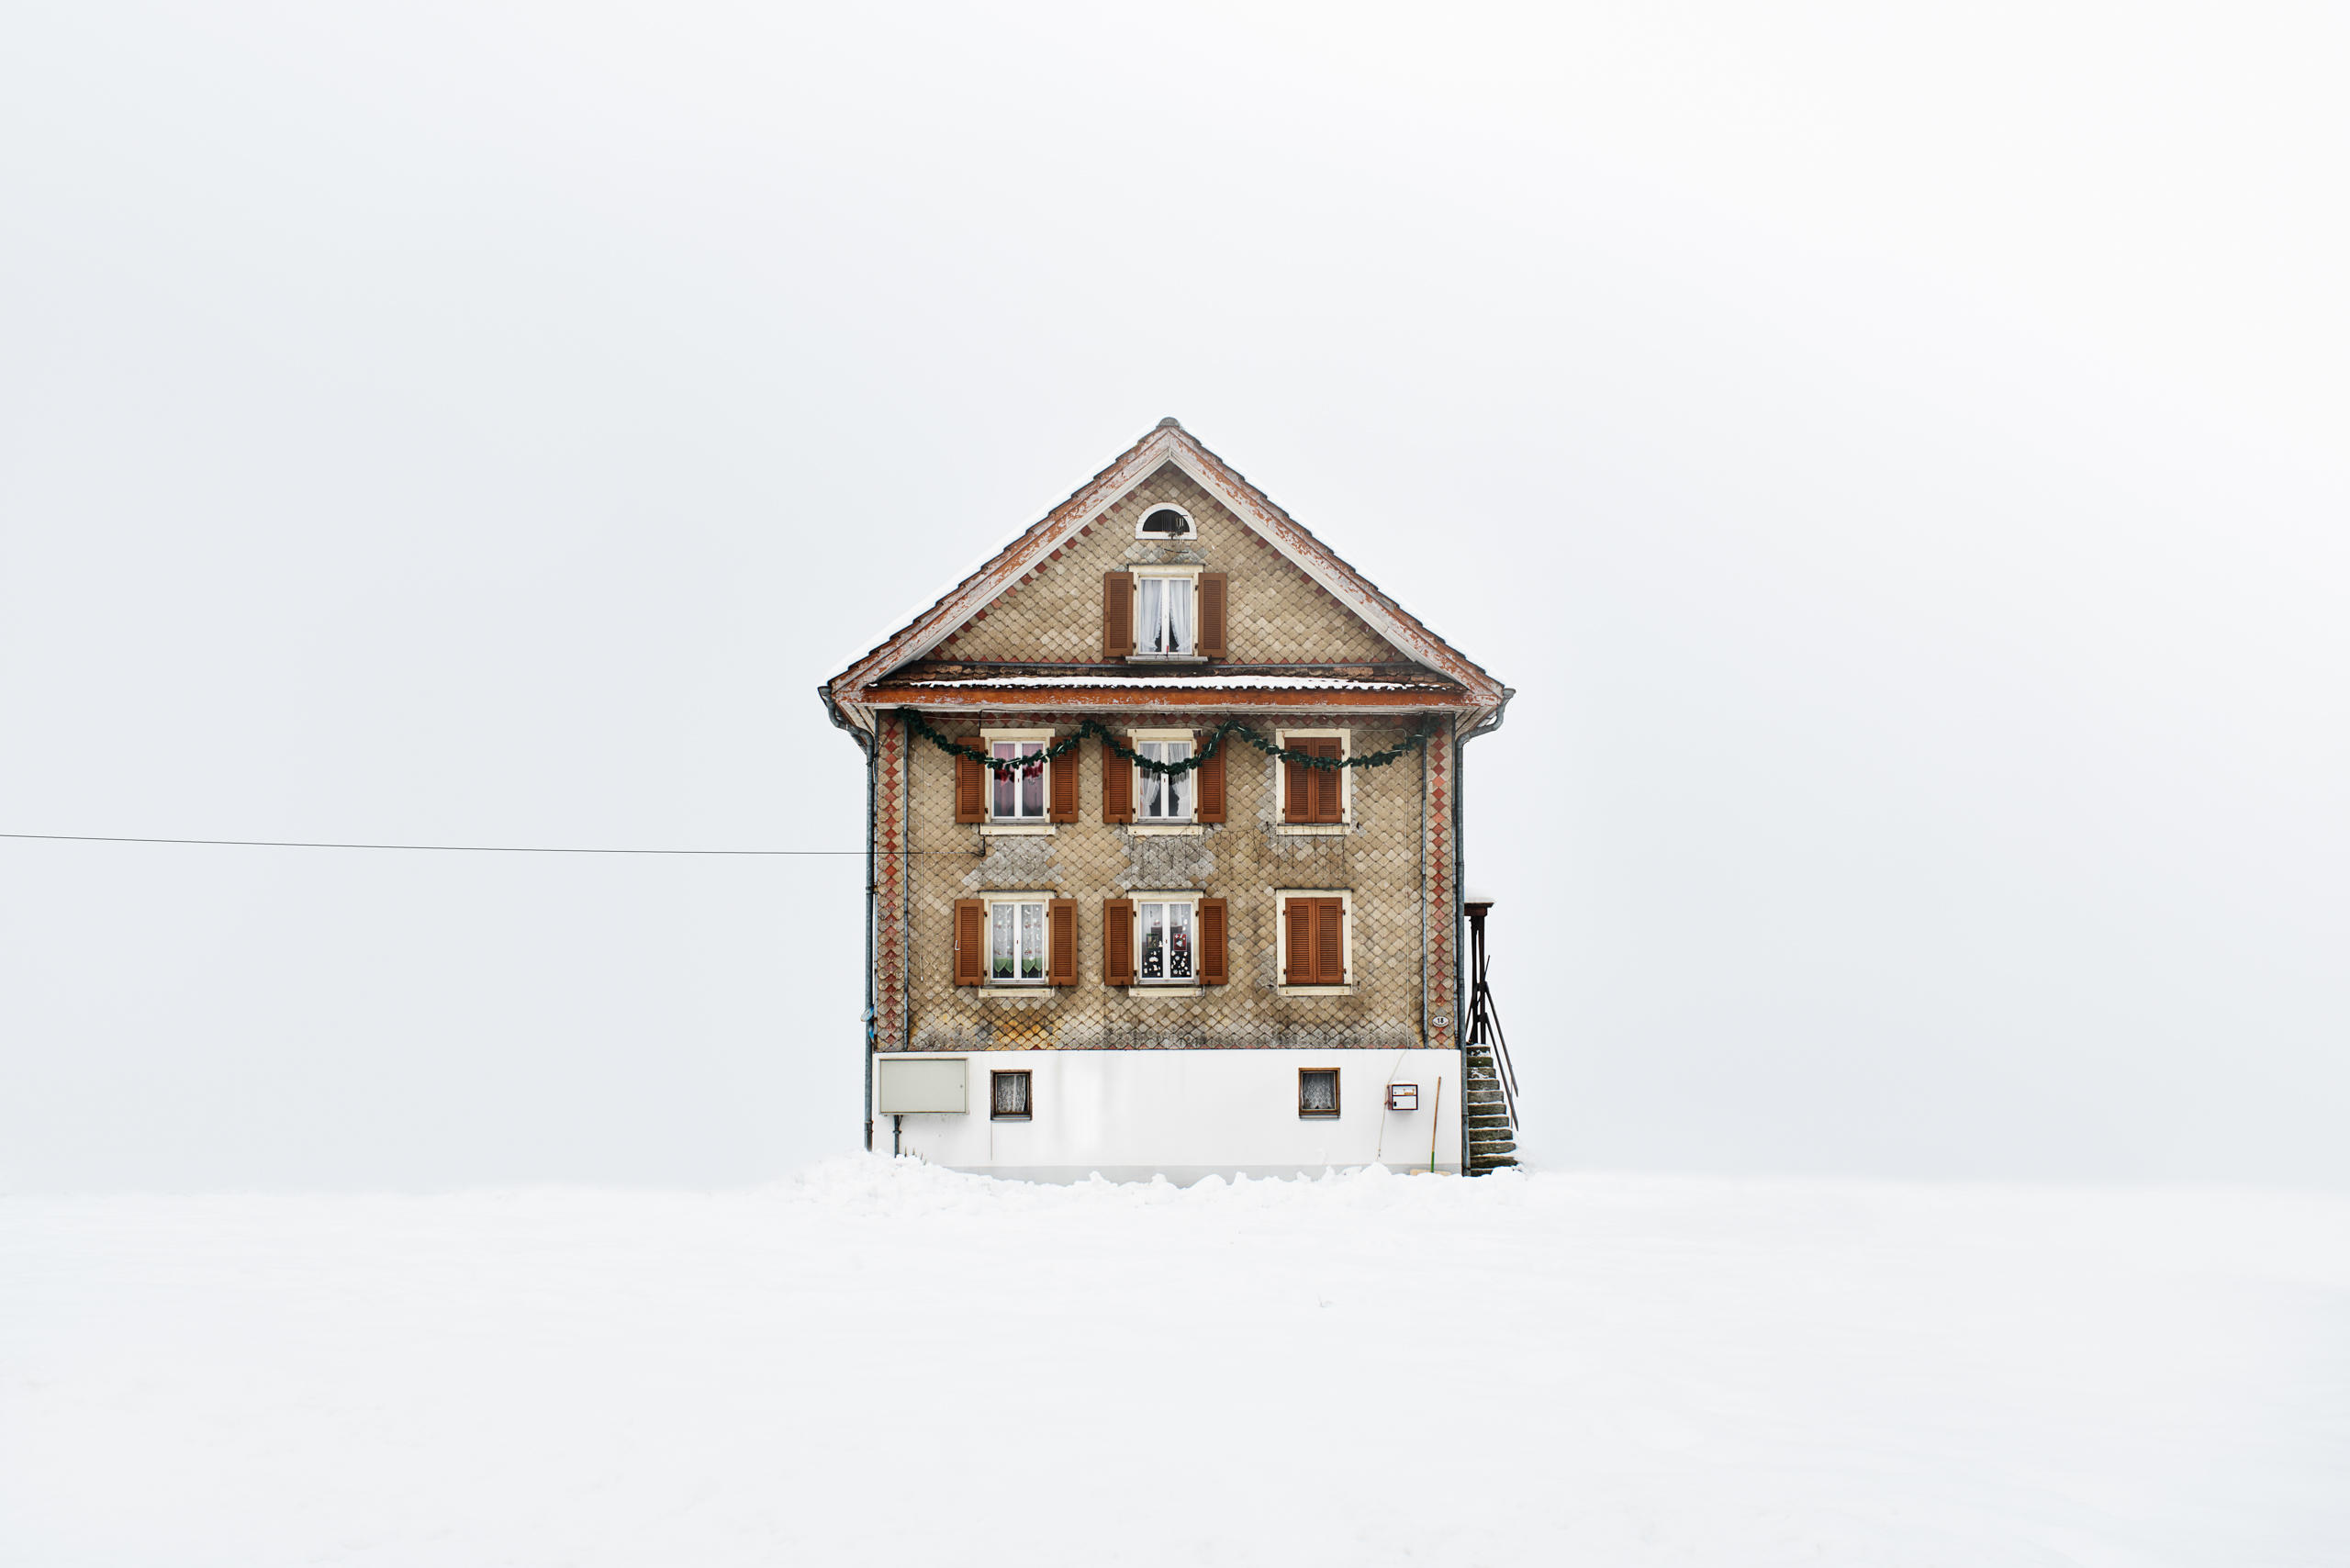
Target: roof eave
[1157,697]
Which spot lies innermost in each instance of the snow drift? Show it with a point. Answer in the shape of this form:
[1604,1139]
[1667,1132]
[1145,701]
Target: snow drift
[881,1361]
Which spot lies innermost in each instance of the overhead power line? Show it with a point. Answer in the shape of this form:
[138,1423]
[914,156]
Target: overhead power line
[459,848]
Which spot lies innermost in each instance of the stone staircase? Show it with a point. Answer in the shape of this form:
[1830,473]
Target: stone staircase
[1493,1130]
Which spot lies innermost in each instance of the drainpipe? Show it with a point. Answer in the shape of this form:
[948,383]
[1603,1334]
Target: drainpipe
[1459,862]
[871,746]
[872,919]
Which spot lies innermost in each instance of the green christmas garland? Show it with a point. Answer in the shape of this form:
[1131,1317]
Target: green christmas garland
[1003,768]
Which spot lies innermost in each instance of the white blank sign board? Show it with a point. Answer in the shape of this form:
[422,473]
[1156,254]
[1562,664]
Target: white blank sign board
[913,1084]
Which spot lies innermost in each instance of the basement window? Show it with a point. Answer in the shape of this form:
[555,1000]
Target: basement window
[1009,1103]
[1317,1091]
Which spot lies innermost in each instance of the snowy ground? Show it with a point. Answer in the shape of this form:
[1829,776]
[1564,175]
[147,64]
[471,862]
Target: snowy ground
[885,1362]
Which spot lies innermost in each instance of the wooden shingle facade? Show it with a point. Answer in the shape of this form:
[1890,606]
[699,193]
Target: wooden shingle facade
[1136,904]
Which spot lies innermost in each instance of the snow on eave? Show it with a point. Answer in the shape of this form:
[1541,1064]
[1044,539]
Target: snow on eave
[1185,682]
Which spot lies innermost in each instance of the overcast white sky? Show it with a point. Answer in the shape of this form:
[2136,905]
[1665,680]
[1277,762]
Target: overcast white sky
[1897,453]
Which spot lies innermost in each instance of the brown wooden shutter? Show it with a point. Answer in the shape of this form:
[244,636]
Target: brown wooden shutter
[970,790]
[1117,615]
[1061,943]
[1060,792]
[970,941]
[1329,785]
[1297,788]
[1211,942]
[1207,781]
[1329,941]
[1117,941]
[1117,787]
[1214,593]
[1299,970]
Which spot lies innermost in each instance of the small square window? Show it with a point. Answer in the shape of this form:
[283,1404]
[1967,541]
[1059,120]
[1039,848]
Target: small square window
[1010,1099]
[1317,1091]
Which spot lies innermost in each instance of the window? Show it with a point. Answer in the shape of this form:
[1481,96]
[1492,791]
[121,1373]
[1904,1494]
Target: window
[1016,943]
[1166,797]
[1011,1097]
[1165,612]
[1033,793]
[1166,522]
[1015,939]
[1313,939]
[1164,939]
[1313,796]
[1162,616]
[1168,947]
[1019,795]
[1317,1091]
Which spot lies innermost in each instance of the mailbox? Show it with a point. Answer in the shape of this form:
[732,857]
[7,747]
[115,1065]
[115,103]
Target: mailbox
[1402,1097]
[915,1085]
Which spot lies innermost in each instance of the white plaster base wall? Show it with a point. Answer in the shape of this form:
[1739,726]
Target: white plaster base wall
[1183,1115]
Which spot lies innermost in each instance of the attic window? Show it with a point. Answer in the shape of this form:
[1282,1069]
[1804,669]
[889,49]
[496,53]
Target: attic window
[1166,522]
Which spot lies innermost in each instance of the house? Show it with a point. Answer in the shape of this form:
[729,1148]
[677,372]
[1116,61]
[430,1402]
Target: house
[1164,816]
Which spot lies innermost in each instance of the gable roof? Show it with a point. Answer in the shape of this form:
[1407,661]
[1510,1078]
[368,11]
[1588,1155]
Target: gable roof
[1168,443]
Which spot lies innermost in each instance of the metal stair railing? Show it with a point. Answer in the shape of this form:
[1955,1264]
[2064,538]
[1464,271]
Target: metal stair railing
[1484,1020]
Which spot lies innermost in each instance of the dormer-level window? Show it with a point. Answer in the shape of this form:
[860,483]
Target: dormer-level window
[1162,615]
[1164,612]
[1166,522]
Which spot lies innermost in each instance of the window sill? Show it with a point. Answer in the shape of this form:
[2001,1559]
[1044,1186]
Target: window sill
[1016,830]
[1169,830]
[1314,991]
[1033,990]
[1155,988]
[1313,829]
[1012,1118]
[1166,658]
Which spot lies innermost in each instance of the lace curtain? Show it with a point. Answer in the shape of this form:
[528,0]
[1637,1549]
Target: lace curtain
[1011,1093]
[1165,796]
[1162,615]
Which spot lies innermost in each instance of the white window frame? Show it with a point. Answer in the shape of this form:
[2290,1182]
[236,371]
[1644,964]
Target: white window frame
[1280,939]
[1191,896]
[1190,523]
[1043,821]
[992,901]
[1346,823]
[1143,781]
[1189,577]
